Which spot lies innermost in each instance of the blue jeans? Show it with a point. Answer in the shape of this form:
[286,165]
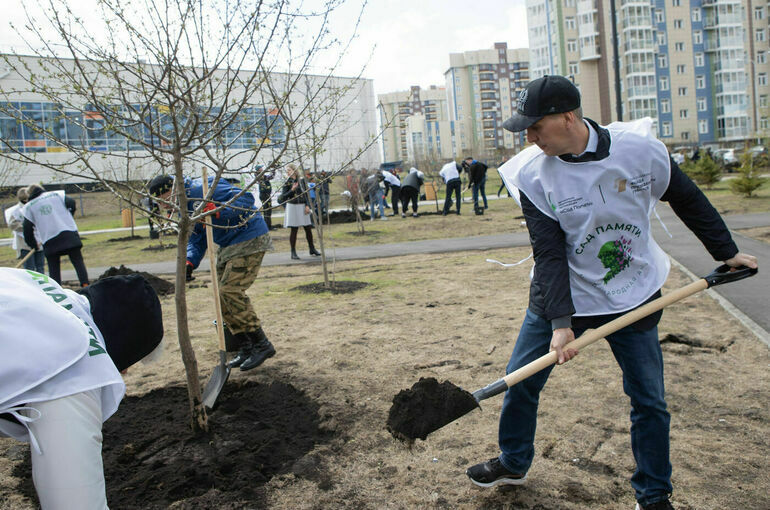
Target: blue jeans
[376,199]
[480,187]
[35,263]
[639,356]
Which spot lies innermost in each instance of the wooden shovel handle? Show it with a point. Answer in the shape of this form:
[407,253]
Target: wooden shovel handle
[22,261]
[213,264]
[592,335]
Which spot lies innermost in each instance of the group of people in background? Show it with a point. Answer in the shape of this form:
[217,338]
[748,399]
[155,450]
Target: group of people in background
[43,226]
[371,189]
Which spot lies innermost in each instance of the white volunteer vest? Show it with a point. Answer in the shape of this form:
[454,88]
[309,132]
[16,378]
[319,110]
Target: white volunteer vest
[49,348]
[17,243]
[449,172]
[391,178]
[49,214]
[604,209]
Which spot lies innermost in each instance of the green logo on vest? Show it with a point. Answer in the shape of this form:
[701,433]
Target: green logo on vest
[615,256]
[46,210]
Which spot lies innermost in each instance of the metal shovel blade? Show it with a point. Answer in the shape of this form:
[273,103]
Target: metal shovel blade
[216,382]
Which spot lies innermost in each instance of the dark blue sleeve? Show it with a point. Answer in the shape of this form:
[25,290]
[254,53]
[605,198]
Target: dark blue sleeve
[196,245]
[29,234]
[694,209]
[549,292]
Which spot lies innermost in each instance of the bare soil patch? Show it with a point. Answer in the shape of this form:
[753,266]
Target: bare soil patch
[337,287]
[758,233]
[343,357]
[162,287]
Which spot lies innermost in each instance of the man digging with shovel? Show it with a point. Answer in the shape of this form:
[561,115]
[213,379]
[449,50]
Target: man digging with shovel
[587,192]
[243,239]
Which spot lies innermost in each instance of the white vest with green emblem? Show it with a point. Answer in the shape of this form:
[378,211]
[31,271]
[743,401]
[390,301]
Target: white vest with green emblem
[49,348]
[604,209]
[49,214]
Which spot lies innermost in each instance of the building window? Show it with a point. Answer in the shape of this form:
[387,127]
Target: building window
[569,23]
[665,106]
[702,104]
[759,35]
[703,126]
[764,123]
[664,83]
[662,60]
[762,79]
[761,57]
[678,24]
[700,82]
[679,46]
[666,128]
[676,3]
[696,14]
[763,101]
[572,45]
[683,114]
[659,16]
[661,38]
[680,69]
[759,13]
[685,135]
[700,60]
[697,37]
[574,68]
[682,91]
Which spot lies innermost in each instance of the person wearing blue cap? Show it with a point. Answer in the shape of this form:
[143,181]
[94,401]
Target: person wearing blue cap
[243,238]
[587,192]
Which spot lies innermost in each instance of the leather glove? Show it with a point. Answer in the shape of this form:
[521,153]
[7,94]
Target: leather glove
[188,273]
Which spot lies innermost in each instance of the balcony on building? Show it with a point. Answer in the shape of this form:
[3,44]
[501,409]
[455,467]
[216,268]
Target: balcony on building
[488,105]
[486,77]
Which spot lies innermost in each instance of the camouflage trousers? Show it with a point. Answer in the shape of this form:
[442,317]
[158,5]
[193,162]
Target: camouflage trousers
[236,275]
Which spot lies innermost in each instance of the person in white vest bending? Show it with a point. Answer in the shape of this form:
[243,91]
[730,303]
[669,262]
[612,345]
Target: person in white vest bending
[51,214]
[61,380]
[587,192]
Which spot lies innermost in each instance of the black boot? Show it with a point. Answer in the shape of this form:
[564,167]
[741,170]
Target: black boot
[314,252]
[246,346]
[261,350]
[294,255]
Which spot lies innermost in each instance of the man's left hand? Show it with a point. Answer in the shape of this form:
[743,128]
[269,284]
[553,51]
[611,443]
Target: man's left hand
[742,259]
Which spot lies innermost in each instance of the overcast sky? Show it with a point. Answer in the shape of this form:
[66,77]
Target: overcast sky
[410,39]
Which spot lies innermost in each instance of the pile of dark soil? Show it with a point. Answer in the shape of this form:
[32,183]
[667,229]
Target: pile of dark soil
[159,247]
[161,286]
[426,407]
[152,459]
[338,287]
[127,238]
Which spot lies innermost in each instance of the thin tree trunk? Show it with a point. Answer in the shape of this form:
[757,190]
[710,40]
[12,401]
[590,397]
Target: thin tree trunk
[198,416]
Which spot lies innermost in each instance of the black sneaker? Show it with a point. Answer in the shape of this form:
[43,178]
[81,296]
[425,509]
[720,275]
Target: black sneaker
[658,505]
[493,473]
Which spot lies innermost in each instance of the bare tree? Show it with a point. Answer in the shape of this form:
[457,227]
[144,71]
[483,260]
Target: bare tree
[173,86]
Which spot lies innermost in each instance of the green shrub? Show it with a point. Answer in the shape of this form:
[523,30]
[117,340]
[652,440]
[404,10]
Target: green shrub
[748,180]
[706,172]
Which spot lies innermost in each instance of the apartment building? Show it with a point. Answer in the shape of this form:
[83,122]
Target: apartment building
[698,67]
[415,125]
[482,88]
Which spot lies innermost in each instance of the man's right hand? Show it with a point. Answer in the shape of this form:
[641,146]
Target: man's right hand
[560,338]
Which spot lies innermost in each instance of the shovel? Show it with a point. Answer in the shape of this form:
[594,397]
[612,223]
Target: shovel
[222,371]
[428,405]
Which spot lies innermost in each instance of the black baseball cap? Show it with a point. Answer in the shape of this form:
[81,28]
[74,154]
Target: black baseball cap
[160,184]
[541,97]
[127,312]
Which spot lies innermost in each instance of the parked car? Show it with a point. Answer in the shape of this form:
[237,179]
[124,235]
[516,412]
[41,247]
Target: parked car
[758,150]
[727,158]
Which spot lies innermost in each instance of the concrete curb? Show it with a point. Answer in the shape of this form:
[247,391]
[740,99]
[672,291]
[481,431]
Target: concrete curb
[752,326]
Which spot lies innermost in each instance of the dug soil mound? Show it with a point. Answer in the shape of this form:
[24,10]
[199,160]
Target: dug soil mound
[426,407]
[338,287]
[161,286]
[153,460]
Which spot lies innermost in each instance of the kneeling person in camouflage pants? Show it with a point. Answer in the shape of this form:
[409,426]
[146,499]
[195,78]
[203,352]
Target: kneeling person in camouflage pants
[243,239]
